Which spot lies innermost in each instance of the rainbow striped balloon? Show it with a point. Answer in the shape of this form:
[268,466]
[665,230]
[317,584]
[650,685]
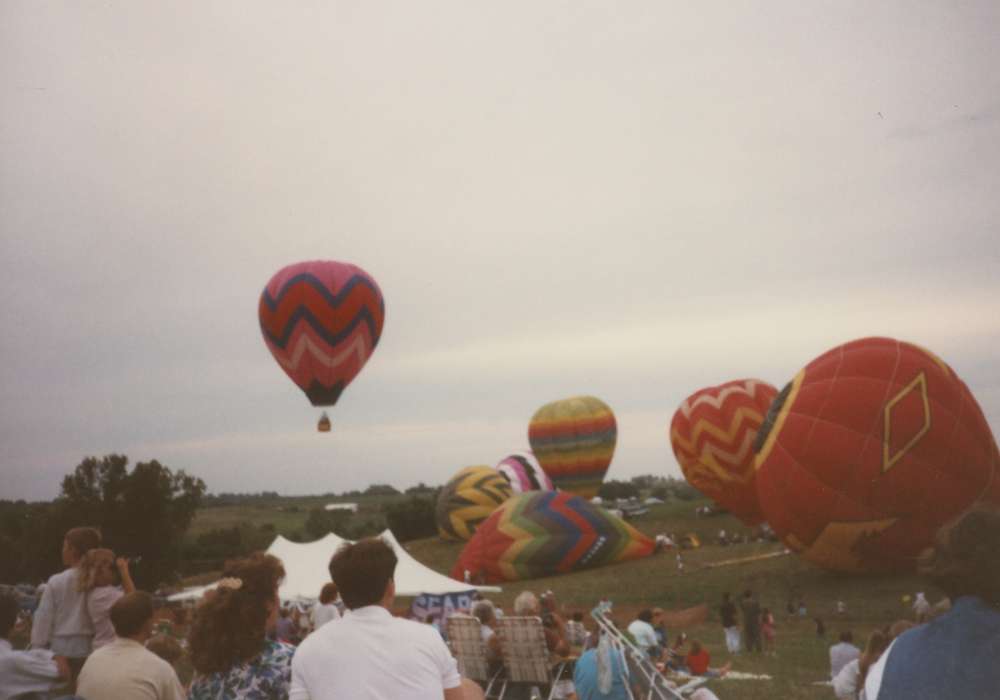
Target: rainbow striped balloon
[321,320]
[574,441]
[542,533]
[524,473]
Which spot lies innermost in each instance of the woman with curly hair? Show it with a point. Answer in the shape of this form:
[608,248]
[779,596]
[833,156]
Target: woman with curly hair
[97,579]
[231,653]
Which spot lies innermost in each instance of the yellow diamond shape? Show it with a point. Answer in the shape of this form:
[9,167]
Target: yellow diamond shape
[889,460]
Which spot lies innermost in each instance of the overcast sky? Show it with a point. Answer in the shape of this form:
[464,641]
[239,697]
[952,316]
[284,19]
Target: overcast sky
[631,200]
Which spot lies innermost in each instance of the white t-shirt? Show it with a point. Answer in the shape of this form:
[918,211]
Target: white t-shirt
[371,655]
[99,602]
[643,633]
[62,621]
[840,655]
[126,669]
[23,672]
[321,614]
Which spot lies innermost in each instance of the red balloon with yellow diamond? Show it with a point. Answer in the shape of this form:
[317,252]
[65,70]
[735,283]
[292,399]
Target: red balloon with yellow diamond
[868,451]
[712,434]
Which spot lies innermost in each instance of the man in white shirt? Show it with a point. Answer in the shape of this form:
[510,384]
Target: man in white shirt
[125,668]
[644,635]
[843,653]
[26,672]
[61,620]
[369,654]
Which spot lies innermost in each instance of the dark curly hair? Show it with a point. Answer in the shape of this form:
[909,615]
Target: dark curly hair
[229,625]
[963,560]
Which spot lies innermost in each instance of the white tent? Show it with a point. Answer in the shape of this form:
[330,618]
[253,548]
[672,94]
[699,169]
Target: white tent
[306,571]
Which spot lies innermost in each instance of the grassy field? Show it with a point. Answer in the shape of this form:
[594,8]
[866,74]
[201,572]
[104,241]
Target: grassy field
[801,657]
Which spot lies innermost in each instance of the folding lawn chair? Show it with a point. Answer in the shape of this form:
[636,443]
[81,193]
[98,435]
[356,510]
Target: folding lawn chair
[643,674]
[466,639]
[526,655]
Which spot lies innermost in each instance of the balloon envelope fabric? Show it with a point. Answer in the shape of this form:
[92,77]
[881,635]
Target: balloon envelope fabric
[524,473]
[712,434]
[541,533]
[574,440]
[868,451]
[468,499]
[321,320]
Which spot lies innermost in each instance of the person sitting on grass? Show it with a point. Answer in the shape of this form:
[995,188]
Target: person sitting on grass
[25,673]
[698,660]
[843,653]
[642,632]
[230,649]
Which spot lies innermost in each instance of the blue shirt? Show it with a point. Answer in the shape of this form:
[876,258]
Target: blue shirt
[955,655]
[585,677]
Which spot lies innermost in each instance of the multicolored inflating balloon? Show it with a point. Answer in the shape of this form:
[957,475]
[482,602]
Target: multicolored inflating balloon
[712,434]
[468,499]
[321,320]
[868,451]
[542,533]
[574,440]
[523,472]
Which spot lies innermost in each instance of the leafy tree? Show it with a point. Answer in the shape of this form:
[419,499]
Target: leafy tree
[411,519]
[144,512]
[381,490]
[320,521]
[617,489]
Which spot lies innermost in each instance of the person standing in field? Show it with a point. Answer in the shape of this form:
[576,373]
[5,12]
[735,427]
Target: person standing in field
[727,613]
[61,621]
[751,622]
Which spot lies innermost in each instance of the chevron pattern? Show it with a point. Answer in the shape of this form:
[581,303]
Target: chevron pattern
[545,533]
[321,320]
[468,499]
[574,441]
[712,434]
[524,473]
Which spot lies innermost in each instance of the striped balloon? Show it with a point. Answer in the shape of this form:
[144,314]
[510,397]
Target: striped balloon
[543,533]
[712,434]
[523,472]
[321,320]
[574,440]
[468,499]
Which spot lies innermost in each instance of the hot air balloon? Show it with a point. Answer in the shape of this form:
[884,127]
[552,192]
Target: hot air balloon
[574,440]
[523,472]
[468,499]
[870,449]
[712,434]
[321,320]
[542,533]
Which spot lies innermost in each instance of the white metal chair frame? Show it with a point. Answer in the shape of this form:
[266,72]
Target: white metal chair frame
[640,665]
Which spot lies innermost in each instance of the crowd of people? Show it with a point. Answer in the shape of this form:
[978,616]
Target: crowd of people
[93,635]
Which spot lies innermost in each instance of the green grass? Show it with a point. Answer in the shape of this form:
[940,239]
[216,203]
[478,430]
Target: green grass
[801,658]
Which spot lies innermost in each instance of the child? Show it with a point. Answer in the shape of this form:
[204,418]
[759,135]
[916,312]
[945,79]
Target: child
[61,621]
[97,579]
[767,630]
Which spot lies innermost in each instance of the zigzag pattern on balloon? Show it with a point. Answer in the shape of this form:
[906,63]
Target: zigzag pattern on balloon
[544,533]
[712,435]
[468,499]
[716,453]
[280,315]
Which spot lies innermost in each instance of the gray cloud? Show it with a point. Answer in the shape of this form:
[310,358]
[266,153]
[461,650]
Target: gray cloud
[555,199]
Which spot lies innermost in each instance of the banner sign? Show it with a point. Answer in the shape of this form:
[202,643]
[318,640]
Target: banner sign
[440,606]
